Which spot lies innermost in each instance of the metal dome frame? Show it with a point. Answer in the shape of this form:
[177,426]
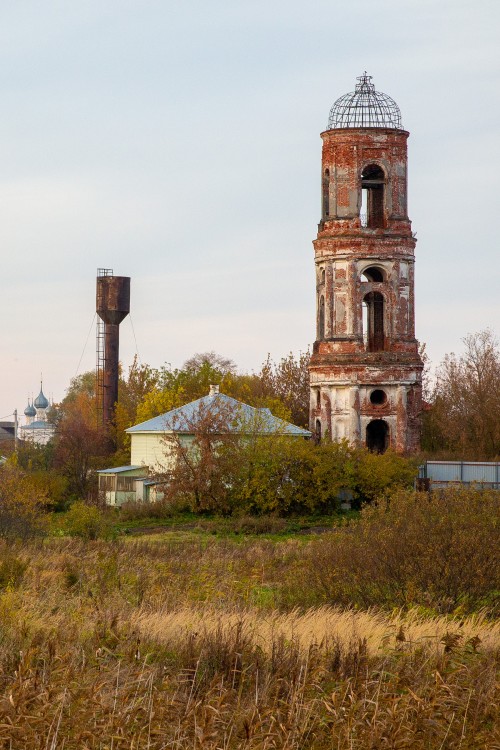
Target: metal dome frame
[365,108]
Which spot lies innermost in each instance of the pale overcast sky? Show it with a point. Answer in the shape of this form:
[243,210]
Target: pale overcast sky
[178,143]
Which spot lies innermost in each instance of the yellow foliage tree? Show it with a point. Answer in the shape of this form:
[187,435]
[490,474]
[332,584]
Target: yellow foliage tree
[22,505]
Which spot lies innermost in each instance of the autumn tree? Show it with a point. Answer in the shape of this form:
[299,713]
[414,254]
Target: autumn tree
[23,503]
[141,380]
[176,387]
[288,381]
[79,445]
[464,419]
[219,460]
[200,458]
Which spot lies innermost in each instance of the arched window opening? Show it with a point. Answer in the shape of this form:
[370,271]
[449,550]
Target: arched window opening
[321,326]
[373,274]
[377,436]
[372,196]
[318,431]
[373,321]
[378,397]
[318,399]
[322,275]
[326,194]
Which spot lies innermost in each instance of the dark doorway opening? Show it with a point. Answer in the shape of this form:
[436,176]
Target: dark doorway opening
[377,436]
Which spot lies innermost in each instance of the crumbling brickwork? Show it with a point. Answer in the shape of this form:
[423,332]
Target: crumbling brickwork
[366,372]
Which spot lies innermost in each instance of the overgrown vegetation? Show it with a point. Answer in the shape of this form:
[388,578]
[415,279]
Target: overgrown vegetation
[438,550]
[231,468]
[23,503]
[211,643]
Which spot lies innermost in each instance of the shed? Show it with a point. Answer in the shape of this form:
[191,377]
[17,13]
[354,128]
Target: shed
[121,483]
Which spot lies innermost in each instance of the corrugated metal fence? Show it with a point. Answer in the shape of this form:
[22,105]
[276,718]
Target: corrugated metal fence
[465,472]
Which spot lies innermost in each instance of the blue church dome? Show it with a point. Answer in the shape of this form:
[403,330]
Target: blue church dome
[41,402]
[30,411]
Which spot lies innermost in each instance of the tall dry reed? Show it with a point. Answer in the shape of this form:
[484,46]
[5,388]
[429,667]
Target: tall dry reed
[117,645]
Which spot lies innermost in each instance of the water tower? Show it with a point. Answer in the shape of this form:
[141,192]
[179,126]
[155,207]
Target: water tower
[112,306]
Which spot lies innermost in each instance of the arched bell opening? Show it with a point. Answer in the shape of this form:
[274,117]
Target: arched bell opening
[377,436]
[373,274]
[373,321]
[372,196]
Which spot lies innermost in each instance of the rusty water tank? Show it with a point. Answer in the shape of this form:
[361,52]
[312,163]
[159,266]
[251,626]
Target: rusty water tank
[113,298]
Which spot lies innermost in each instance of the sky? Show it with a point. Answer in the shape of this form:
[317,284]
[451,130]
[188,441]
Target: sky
[178,143]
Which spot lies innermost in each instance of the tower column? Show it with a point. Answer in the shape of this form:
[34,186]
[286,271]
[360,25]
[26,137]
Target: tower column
[365,356]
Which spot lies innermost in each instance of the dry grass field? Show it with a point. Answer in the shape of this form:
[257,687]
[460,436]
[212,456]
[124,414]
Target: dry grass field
[225,644]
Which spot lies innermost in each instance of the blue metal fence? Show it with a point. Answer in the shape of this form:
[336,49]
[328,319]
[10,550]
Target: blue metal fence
[442,473]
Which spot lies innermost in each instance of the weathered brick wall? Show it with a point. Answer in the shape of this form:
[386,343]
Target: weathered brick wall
[343,372]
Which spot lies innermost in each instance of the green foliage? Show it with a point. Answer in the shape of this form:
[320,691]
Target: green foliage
[83,384]
[281,387]
[372,474]
[86,521]
[53,485]
[283,475]
[273,474]
[334,471]
[34,457]
[38,462]
[249,472]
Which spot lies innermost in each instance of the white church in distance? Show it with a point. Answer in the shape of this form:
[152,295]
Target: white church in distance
[38,429]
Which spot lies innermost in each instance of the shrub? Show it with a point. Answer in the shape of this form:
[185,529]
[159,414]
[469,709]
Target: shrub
[86,521]
[135,510]
[440,549]
[274,474]
[22,505]
[12,570]
[372,474]
[277,474]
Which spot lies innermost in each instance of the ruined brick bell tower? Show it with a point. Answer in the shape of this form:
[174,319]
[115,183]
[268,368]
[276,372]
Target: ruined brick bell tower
[366,372]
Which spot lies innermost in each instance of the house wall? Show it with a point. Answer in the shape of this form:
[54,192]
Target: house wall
[151,449]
